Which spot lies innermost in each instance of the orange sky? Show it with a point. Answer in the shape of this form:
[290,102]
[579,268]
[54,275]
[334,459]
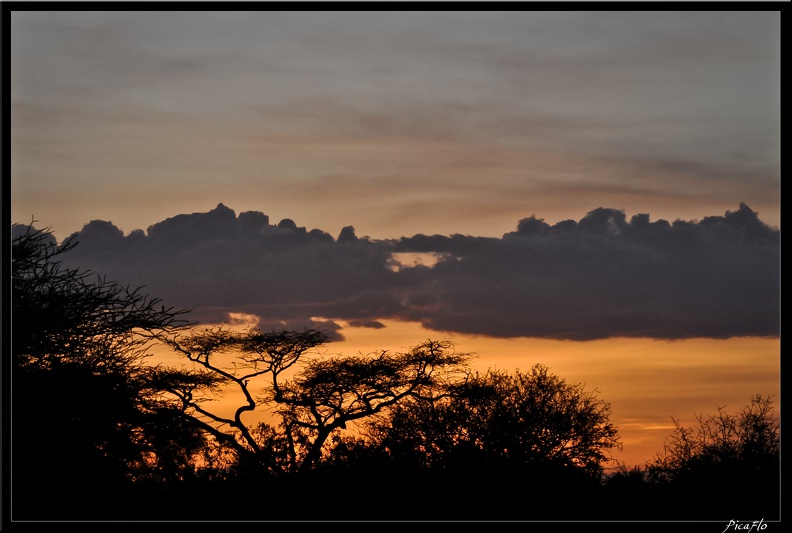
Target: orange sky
[647,382]
[420,122]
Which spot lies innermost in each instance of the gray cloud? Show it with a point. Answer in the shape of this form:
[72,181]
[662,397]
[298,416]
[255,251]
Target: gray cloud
[606,277]
[601,276]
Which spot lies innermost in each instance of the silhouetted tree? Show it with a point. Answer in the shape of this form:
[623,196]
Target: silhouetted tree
[628,495]
[529,438]
[509,420]
[88,416]
[310,403]
[729,462]
[65,314]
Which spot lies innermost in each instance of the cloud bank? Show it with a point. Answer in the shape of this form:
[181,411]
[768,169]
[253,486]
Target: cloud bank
[598,277]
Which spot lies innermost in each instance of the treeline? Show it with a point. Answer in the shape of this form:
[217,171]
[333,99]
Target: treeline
[100,433]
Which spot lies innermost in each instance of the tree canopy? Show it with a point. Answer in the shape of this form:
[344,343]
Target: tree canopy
[86,406]
[316,400]
[505,421]
[99,432]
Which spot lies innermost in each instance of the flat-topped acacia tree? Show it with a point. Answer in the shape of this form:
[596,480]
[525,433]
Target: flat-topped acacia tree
[312,400]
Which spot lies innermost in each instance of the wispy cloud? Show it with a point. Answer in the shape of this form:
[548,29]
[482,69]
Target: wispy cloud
[671,112]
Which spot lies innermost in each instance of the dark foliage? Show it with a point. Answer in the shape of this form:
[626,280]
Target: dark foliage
[99,434]
[727,468]
[311,402]
[87,419]
[730,461]
[515,444]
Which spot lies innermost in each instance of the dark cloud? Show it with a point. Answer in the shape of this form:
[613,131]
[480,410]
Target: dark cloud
[605,277]
[218,263]
[601,276]
[373,324]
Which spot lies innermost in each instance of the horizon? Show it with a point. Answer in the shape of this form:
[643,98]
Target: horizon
[646,391]
[596,191]
[61,235]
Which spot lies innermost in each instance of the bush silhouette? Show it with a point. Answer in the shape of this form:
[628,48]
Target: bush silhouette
[730,461]
[87,415]
[98,433]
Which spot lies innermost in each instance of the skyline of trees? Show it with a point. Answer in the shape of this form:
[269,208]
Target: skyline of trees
[96,429]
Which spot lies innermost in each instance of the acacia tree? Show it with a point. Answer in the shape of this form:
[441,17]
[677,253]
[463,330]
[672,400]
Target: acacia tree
[312,402]
[503,421]
[64,314]
[522,443]
[85,405]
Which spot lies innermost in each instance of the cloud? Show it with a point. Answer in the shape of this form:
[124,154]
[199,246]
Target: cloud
[606,277]
[601,276]
[373,324]
[218,263]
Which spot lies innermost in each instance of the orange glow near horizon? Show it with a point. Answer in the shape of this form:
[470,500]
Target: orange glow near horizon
[648,383]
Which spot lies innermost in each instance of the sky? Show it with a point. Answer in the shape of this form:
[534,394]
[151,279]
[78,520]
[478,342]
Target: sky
[598,191]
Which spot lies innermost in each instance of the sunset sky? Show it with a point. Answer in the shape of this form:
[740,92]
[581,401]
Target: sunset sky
[596,191]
